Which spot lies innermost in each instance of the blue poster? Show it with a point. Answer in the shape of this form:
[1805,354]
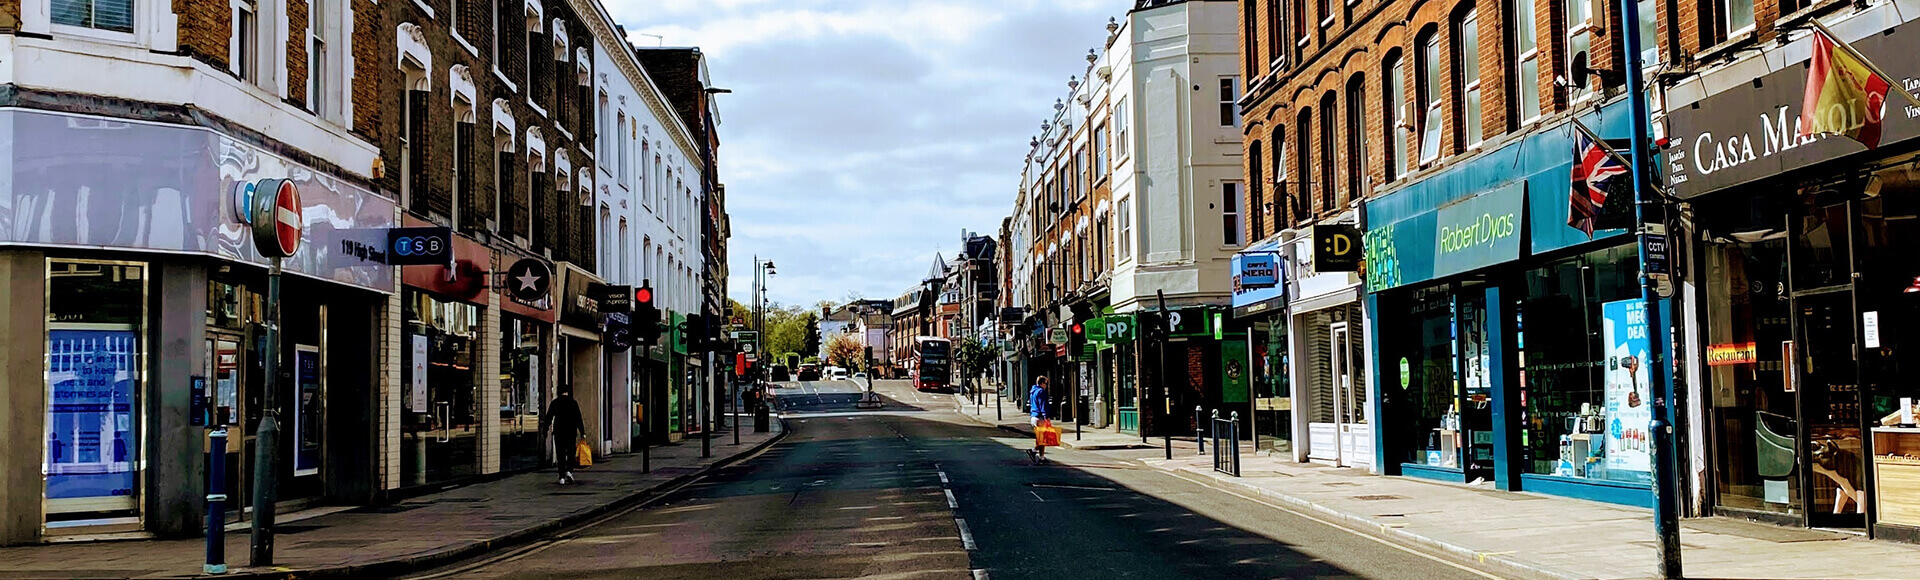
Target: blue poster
[90,437]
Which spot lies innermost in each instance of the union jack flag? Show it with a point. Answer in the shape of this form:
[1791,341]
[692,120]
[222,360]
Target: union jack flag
[1593,166]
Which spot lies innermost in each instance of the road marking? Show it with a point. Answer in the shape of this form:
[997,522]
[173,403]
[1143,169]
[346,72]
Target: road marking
[1036,495]
[966,536]
[943,478]
[979,574]
[951,502]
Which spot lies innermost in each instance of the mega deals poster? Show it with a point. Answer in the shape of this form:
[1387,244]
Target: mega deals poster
[1629,395]
[90,439]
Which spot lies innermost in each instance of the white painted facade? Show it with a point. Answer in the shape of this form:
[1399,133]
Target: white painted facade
[1170,169]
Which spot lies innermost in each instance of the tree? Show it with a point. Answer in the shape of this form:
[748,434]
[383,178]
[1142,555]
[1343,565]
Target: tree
[974,356]
[843,350]
[785,335]
[812,339]
[736,310]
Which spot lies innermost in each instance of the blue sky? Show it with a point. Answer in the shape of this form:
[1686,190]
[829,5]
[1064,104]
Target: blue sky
[862,136]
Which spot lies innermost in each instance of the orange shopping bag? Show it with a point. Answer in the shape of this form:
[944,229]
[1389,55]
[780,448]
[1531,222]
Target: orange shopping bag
[583,453]
[1046,435]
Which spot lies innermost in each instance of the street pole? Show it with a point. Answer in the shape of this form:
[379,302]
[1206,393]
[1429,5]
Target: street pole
[1160,375]
[266,470]
[715,371]
[1253,419]
[1666,496]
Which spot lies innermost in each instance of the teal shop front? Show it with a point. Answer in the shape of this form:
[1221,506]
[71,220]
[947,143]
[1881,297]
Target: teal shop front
[1507,344]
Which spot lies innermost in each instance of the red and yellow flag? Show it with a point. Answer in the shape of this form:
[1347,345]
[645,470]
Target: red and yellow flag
[1844,96]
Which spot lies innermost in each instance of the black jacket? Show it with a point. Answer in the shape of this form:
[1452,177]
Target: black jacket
[563,417]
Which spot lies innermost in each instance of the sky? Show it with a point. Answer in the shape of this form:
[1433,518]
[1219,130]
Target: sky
[862,136]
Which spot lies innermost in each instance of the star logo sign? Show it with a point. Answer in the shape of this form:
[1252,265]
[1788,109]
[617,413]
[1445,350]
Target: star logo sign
[529,280]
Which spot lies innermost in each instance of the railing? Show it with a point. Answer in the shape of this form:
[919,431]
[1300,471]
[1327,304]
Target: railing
[1226,456]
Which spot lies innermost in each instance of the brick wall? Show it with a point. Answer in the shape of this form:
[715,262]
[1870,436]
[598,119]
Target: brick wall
[482,195]
[204,29]
[297,52]
[1355,46]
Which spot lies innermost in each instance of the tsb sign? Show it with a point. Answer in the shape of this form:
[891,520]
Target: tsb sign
[419,246]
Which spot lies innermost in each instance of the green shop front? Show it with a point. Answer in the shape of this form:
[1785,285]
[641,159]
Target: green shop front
[1510,347]
[1110,340]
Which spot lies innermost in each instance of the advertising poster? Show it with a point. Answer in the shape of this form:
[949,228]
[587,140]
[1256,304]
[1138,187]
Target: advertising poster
[306,411]
[1629,396]
[419,364]
[90,440]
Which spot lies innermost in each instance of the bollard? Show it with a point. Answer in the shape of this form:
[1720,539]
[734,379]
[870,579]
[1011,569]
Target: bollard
[1166,441]
[217,503]
[1200,428]
[997,403]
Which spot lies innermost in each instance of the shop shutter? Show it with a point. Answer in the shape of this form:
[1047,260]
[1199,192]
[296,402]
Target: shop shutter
[1319,365]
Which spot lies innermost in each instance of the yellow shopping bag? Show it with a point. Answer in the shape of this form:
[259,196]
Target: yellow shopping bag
[583,453]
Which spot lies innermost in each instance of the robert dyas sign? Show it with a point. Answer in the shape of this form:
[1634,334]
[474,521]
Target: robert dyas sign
[1751,131]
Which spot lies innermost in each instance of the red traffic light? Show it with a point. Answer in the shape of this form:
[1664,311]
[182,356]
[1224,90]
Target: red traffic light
[1077,329]
[643,295]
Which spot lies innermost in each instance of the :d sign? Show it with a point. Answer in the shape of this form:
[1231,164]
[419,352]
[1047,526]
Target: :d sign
[1336,248]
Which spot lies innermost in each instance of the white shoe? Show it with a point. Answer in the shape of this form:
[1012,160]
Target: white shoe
[563,480]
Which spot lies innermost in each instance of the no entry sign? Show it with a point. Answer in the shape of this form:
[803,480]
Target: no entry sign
[276,218]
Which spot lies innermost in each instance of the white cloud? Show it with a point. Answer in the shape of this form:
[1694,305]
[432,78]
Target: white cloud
[864,135]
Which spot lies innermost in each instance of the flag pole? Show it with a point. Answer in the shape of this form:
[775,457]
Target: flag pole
[1602,143]
[1822,29]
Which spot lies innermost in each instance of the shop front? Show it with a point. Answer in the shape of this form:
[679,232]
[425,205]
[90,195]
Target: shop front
[526,326]
[1117,397]
[581,365]
[1511,347]
[1805,249]
[1260,314]
[134,303]
[1331,410]
[447,339]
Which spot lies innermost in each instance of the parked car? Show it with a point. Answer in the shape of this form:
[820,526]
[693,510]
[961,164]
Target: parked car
[780,374]
[809,372]
[858,376]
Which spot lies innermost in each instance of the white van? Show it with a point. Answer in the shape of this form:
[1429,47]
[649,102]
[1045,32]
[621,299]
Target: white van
[838,374]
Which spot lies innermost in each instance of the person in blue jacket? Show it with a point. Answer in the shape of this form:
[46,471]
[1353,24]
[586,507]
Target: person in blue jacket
[1037,412]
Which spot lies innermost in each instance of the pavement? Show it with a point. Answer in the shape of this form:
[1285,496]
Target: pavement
[913,491]
[1528,535]
[418,533]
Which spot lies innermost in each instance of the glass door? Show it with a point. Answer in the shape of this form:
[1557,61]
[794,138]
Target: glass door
[1824,371]
[1350,398]
[95,381]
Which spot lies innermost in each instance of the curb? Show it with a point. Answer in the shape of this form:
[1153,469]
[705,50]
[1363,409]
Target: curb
[1494,562]
[429,560]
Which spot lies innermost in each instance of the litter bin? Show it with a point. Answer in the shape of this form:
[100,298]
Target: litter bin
[762,418]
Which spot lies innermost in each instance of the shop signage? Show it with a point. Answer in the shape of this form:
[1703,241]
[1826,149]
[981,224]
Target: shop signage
[1256,270]
[578,307]
[1751,131]
[307,410]
[612,298]
[1870,329]
[1721,355]
[1111,329]
[419,246]
[418,363]
[619,331]
[1190,321]
[529,279]
[1336,248]
[276,218]
[1466,235]
[1250,300]
[1057,336]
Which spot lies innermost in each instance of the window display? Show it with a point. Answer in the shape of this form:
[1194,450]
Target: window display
[1418,381]
[95,315]
[439,431]
[1582,342]
[521,394]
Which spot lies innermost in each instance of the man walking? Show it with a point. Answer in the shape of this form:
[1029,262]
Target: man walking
[1037,415]
[565,426]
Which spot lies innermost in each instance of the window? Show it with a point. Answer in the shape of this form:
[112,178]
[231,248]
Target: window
[413,149]
[620,157]
[245,41]
[1126,227]
[1080,169]
[1466,52]
[1229,102]
[462,169]
[1103,248]
[1395,115]
[1230,213]
[1100,166]
[1650,31]
[1250,54]
[606,137]
[1429,73]
[1303,153]
[108,15]
[1736,16]
[1123,148]
[1257,226]
[1524,49]
[1580,31]
[1356,146]
[325,83]
[1277,50]
[1327,182]
[1282,186]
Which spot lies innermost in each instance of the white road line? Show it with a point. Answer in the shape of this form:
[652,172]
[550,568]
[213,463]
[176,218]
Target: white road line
[951,502]
[1036,495]
[966,536]
[979,574]
[943,478]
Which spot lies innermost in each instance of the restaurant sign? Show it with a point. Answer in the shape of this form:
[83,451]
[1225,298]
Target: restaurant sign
[1751,130]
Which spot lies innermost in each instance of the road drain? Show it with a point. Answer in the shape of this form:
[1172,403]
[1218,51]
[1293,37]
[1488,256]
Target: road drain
[1069,486]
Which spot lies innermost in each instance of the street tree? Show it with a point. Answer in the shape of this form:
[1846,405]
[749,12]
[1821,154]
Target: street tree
[843,351]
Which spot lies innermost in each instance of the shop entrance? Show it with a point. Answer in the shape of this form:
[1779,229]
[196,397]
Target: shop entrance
[1824,374]
[1350,399]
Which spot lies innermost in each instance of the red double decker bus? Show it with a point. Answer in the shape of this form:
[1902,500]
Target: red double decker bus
[932,363]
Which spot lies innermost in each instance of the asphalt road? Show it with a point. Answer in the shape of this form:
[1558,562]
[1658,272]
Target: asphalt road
[914,490]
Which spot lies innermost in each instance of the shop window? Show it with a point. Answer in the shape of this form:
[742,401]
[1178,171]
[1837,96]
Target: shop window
[1417,380]
[1585,363]
[522,397]
[96,315]
[439,428]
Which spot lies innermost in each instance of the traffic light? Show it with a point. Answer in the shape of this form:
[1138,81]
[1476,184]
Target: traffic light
[692,330]
[646,318]
[1076,339]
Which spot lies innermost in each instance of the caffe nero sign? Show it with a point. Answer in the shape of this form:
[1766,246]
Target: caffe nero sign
[1750,132]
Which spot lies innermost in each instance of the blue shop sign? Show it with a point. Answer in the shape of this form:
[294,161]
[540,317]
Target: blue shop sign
[1463,236]
[1260,264]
